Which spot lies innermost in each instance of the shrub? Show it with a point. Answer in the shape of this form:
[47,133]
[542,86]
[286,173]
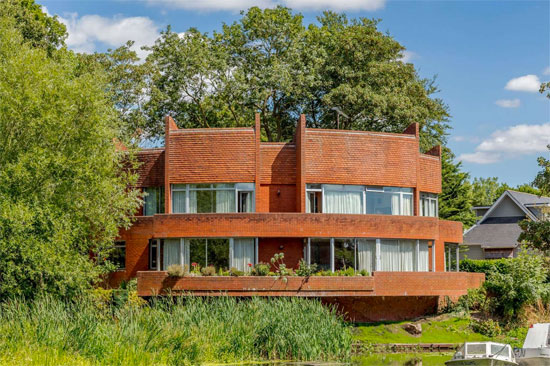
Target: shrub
[364,272]
[208,271]
[306,270]
[260,269]
[486,266]
[235,272]
[175,270]
[474,300]
[489,327]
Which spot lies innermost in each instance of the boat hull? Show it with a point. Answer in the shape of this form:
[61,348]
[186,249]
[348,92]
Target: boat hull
[535,361]
[480,362]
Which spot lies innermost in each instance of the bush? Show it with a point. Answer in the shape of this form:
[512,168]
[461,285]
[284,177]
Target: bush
[235,272]
[489,328]
[208,271]
[474,300]
[306,270]
[175,270]
[486,266]
[260,269]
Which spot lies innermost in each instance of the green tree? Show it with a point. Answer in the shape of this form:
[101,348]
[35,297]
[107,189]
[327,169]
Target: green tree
[455,201]
[63,190]
[485,191]
[268,62]
[35,26]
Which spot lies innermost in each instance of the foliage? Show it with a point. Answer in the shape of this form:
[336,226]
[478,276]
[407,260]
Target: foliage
[185,332]
[486,266]
[524,283]
[175,270]
[208,271]
[489,327]
[279,265]
[269,62]
[236,272]
[63,190]
[545,87]
[306,270]
[455,200]
[260,269]
[35,26]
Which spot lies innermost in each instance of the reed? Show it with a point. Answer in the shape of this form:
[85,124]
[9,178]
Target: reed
[193,331]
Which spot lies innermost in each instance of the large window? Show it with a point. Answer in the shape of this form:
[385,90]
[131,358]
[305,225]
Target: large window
[210,198]
[222,253]
[428,204]
[153,200]
[369,254]
[355,199]
[389,201]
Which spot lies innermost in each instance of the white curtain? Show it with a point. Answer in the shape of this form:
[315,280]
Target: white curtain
[192,201]
[423,256]
[225,201]
[407,205]
[407,249]
[389,255]
[366,250]
[243,253]
[395,209]
[171,252]
[178,201]
[344,202]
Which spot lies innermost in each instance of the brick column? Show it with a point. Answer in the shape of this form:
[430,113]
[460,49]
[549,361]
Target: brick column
[169,125]
[301,164]
[257,137]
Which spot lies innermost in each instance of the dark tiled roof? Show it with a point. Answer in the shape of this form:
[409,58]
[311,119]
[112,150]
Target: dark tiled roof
[529,199]
[493,235]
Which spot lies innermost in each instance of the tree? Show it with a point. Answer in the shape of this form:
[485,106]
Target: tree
[34,25]
[536,234]
[455,201]
[268,62]
[63,192]
[485,191]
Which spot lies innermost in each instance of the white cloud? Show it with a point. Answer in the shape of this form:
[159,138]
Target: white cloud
[508,103]
[527,83]
[471,139]
[408,56]
[546,71]
[510,143]
[236,5]
[87,31]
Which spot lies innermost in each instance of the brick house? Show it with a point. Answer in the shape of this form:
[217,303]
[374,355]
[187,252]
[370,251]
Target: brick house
[340,199]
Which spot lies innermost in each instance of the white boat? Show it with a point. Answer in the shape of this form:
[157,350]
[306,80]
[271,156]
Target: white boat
[536,348]
[483,354]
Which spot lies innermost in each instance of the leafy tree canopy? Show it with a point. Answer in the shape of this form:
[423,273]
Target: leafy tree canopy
[485,191]
[34,25]
[455,201]
[269,62]
[63,192]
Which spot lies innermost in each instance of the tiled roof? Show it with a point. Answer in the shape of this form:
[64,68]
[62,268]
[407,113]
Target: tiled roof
[493,235]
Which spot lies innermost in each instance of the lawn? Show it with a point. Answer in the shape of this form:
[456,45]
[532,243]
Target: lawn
[439,329]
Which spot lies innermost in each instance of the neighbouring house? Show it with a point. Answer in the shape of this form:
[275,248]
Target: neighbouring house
[340,199]
[496,233]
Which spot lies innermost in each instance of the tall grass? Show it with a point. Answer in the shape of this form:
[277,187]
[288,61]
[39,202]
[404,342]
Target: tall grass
[195,331]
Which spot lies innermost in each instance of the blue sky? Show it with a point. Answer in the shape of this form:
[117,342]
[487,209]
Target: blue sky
[489,57]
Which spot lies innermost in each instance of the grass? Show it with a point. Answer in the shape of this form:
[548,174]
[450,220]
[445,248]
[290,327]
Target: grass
[197,331]
[440,329]
[400,359]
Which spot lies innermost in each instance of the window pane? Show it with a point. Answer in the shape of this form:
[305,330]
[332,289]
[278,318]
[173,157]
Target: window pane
[153,248]
[344,202]
[389,255]
[313,202]
[178,201]
[407,250]
[200,186]
[218,253]
[407,205]
[203,201]
[423,256]
[320,253]
[118,255]
[243,253]
[366,255]
[225,201]
[171,252]
[245,201]
[379,203]
[476,349]
[197,252]
[150,201]
[344,254]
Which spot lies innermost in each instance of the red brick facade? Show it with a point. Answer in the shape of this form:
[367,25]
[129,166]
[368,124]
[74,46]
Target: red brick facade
[280,172]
